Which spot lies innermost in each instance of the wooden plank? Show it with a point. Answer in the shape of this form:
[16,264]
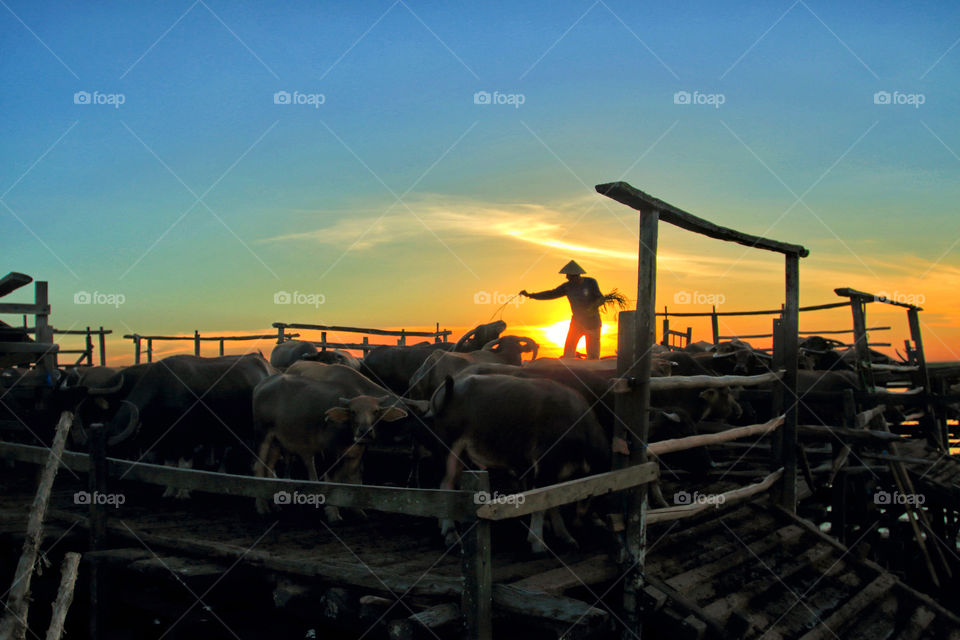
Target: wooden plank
[667,514]
[13,281]
[373,332]
[436,503]
[820,432]
[623,385]
[520,504]
[680,444]
[21,308]
[29,347]
[847,292]
[559,609]
[764,312]
[385,582]
[626,194]
[587,572]
[828,628]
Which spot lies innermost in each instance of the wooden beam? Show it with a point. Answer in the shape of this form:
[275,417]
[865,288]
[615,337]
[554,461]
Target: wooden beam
[732,497]
[437,503]
[13,281]
[789,326]
[520,504]
[632,197]
[847,292]
[664,447]
[623,385]
[373,332]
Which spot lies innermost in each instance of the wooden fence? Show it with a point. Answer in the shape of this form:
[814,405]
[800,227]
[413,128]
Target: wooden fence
[685,337]
[139,341]
[365,345]
[464,505]
[637,335]
[86,353]
[42,349]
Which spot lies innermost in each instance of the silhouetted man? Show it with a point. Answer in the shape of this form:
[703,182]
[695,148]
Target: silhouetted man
[585,302]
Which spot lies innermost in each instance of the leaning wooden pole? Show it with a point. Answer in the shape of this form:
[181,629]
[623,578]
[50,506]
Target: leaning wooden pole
[14,623]
[68,578]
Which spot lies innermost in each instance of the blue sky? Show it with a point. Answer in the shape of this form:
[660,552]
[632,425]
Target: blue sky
[492,197]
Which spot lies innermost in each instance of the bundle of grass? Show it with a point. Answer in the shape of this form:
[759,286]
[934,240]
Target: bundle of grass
[614,298]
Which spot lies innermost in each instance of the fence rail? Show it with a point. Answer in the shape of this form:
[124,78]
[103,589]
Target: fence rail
[196,338]
[365,346]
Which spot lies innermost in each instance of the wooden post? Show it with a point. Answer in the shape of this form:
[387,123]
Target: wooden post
[136,349]
[89,348]
[43,332]
[68,578]
[858,308]
[102,337]
[715,323]
[221,347]
[475,565]
[789,328]
[14,622]
[149,349]
[638,420]
[402,340]
[436,335]
[280,336]
[323,341]
[665,340]
[366,348]
[777,394]
[196,342]
[936,428]
[97,484]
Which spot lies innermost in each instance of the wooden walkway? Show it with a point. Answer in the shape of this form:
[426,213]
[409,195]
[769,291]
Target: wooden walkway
[745,572]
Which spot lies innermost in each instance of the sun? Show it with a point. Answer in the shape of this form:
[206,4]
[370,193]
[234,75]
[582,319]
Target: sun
[557,332]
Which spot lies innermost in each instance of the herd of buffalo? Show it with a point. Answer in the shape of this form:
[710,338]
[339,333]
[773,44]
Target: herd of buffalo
[474,403]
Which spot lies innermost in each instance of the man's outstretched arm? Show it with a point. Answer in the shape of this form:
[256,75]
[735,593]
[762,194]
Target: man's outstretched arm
[552,294]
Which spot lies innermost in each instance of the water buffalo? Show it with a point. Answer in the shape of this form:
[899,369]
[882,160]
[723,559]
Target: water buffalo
[183,405]
[440,365]
[480,335]
[392,367]
[539,430]
[308,417]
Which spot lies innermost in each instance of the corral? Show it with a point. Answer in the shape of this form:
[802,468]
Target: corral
[783,542]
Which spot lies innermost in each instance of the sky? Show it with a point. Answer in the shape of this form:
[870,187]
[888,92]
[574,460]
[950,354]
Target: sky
[184,165]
